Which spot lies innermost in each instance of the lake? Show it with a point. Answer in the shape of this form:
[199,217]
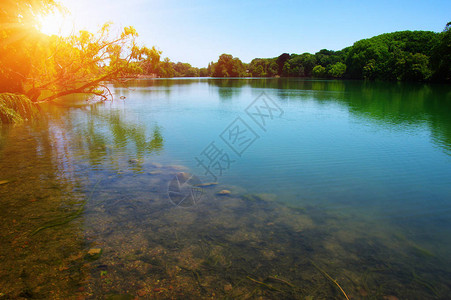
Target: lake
[231,188]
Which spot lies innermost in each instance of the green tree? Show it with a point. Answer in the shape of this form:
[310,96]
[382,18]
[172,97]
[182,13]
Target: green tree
[203,72]
[280,61]
[181,69]
[149,59]
[299,65]
[263,67]
[441,56]
[370,70]
[286,70]
[228,66]
[389,56]
[166,69]
[211,68]
[273,68]
[192,72]
[416,68]
[337,70]
[258,71]
[319,71]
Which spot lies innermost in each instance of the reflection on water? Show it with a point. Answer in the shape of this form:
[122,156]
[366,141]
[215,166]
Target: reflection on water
[392,103]
[104,138]
[85,209]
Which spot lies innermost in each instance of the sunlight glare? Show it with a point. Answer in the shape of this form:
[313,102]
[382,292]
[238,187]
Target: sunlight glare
[56,24]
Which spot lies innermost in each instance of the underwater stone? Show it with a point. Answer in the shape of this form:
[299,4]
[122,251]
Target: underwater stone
[155,172]
[95,251]
[178,167]
[206,184]
[224,192]
[183,176]
[228,288]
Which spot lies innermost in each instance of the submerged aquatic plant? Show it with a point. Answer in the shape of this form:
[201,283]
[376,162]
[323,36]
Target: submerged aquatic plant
[16,108]
[66,219]
[330,278]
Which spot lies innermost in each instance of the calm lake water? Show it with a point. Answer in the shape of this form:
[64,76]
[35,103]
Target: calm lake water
[231,188]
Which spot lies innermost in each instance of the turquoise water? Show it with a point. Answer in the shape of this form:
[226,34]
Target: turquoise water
[352,179]
[346,145]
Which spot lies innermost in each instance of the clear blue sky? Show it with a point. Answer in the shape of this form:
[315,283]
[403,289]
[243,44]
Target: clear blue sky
[198,31]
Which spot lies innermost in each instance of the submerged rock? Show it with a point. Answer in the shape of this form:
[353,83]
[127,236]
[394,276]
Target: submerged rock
[228,288]
[178,167]
[206,184]
[157,172]
[94,253]
[156,165]
[183,176]
[224,192]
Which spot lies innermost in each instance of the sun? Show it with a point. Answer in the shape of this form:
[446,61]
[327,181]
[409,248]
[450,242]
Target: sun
[55,23]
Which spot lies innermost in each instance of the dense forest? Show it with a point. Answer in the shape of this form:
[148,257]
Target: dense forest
[403,55]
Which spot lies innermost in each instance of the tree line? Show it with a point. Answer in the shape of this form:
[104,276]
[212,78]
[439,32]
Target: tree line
[397,56]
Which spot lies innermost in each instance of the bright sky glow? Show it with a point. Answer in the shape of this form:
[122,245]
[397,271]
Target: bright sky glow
[57,23]
[198,31]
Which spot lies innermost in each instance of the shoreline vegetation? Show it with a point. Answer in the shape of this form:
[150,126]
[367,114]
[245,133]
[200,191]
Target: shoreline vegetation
[417,56]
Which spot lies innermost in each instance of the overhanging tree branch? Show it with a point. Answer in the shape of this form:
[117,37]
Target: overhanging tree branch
[83,89]
[79,64]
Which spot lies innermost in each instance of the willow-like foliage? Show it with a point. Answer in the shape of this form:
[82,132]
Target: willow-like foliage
[16,108]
